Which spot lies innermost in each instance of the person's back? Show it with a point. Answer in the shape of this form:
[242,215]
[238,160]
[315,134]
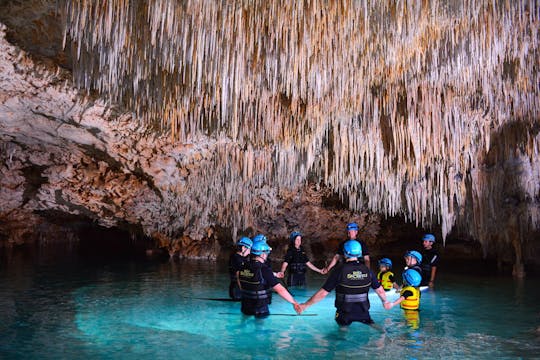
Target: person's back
[256,293]
[236,262]
[354,281]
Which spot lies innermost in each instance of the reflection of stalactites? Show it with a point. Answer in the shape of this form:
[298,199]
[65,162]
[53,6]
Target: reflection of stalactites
[393,98]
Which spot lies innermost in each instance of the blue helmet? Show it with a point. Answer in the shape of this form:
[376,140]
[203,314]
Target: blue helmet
[259,238]
[352,226]
[245,241]
[260,247]
[412,277]
[429,237]
[386,262]
[293,235]
[352,248]
[414,254]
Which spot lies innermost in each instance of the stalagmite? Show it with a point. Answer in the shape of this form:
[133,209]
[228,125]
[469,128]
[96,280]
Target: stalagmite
[379,99]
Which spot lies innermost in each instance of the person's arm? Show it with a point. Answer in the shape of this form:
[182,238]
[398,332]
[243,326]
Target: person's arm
[318,296]
[280,289]
[238,280]
[405,295]
[313,267]
[366,261]
[281,273]
[334,261]
[432,279]
[382,294]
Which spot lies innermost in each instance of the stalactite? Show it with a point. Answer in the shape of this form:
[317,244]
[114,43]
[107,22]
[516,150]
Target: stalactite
[307,87]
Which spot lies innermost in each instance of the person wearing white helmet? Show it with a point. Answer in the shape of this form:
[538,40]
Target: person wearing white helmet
[352,233]
[430,261]
[257,282]
[352,281]
[236,261]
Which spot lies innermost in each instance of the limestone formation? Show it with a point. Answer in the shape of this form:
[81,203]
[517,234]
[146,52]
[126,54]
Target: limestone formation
[216,111]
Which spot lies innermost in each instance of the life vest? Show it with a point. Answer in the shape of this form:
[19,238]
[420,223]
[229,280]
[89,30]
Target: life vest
[254,288]
[412,302]
[384,278]
[353,286]
[298,260]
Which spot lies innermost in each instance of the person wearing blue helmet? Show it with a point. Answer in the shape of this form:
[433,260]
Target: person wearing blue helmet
[236,261]
[352,233]
[413,259]
[385,275]
[352,281]
[257,282]
[297,261]
[430,261]
[409,297]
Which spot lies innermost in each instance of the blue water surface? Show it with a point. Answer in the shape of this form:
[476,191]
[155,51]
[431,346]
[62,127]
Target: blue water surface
[70,308]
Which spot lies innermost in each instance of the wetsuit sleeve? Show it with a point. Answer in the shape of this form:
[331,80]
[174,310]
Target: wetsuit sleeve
[332,280]
[339,249]
[375,284]
[407,293]
[435,259]
[268,276]
[365,250]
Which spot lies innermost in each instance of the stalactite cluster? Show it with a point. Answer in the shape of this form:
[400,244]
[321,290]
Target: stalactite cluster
[393,104]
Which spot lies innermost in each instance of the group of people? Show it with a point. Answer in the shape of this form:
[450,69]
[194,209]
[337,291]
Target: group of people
[253,281]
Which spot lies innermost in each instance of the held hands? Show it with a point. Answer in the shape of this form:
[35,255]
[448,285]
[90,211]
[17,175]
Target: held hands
[280,275]
[300,308]
[388,305]
[324,271]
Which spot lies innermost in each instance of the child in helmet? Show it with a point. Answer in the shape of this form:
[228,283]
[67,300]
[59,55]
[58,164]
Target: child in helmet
[413,259]
[297,259]
[236,261]
[410,293]
[385,275]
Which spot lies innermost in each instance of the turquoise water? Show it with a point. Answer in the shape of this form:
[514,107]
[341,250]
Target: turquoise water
[72,308]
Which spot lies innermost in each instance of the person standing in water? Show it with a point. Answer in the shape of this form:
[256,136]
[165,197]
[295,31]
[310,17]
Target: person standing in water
[385,275]
[257,282]
[352,281]
[297,261]
[236,262]
[352,233]
[409,297]
[430,261]
[413,259]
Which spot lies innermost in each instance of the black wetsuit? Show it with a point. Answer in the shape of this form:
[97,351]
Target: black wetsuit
[418,268]
[430,258]
[297,259]
[352,281]
[257,281]
[236,261]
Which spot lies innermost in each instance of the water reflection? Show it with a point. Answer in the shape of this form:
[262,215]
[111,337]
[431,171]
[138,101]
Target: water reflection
[151,309]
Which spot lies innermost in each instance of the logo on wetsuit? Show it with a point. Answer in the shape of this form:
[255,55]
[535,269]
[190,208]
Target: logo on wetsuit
[356,275]
[247,273]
